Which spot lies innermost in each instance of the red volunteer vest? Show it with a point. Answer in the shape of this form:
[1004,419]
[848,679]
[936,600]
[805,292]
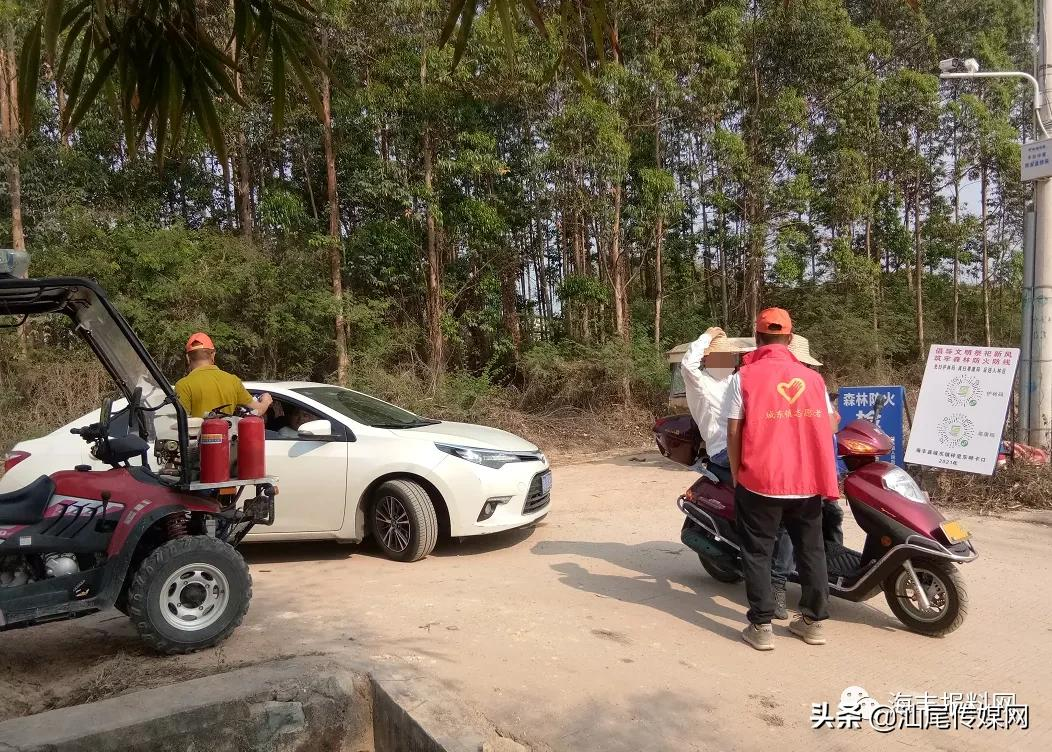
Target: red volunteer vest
[786,439]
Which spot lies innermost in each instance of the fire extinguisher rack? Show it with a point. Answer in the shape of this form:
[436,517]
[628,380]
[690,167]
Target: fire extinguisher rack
[269,480]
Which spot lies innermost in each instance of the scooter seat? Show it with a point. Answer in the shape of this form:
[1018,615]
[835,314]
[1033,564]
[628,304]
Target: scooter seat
[26,505]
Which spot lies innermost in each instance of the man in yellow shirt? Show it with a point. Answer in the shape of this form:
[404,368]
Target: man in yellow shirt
[207,388]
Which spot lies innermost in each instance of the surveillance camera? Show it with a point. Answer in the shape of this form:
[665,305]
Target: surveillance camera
[950,64]
[971,65]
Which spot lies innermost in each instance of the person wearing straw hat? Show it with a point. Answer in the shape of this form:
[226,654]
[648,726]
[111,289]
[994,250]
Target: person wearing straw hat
[707,367]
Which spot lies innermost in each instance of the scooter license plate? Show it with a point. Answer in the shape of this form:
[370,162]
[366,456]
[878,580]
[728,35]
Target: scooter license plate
[955,532]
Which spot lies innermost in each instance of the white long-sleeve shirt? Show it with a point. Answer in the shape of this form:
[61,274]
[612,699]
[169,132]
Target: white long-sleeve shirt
[705,396]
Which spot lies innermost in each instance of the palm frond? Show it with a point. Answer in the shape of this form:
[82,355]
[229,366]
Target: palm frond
[162,61]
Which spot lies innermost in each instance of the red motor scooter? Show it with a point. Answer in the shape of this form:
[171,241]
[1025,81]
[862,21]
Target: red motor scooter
[911,549]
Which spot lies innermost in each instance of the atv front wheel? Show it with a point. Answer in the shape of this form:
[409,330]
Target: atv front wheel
[189,594]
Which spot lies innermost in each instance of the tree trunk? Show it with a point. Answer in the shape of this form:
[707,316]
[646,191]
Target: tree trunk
[310,185]
[63,134]
[508,300]
[755,262]
[722,235]
[437,355]
[874,291]
[907,200]
[659,290]
[983,188]
[540,243]
[919,260]
[616,268]
[243,185]
[10,132]
[243,177]
[335,234]
[583,267]
[659,230]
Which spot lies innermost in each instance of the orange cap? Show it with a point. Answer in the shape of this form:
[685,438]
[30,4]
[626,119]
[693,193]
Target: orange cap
[774,321]
[199,341]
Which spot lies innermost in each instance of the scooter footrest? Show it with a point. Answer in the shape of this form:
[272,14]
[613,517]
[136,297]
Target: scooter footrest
[699,542]
[841,561]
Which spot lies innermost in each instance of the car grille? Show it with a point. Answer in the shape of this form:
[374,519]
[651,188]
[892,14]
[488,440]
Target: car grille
[536,499]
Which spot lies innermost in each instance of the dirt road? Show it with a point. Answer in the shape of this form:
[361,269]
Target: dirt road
[598,630]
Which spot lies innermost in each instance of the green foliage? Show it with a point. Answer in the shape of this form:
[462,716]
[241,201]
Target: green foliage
[797,154]
[560,375]
[265,311]
[580,289]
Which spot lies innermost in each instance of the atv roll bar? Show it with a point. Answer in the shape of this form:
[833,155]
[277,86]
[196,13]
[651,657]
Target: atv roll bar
[103,329]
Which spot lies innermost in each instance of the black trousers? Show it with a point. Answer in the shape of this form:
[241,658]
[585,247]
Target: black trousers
[832,530]
[759,518]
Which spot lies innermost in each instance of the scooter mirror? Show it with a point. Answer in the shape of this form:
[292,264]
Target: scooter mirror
[106,412]
[878,405]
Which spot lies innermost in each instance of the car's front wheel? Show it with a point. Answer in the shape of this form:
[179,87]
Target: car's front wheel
[404,522]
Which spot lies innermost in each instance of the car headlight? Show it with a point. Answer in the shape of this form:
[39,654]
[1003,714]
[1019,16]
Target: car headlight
[493,458]
[900,482]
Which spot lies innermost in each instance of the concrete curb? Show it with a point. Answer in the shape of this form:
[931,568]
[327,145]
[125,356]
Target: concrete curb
[291,705]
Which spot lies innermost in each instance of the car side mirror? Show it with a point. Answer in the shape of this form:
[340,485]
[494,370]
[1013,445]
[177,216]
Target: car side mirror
[316,429]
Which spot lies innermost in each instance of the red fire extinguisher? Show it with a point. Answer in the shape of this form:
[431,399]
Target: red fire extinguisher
[215,450]
[251,459]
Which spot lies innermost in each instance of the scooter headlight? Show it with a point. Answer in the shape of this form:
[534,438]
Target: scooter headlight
[900,482]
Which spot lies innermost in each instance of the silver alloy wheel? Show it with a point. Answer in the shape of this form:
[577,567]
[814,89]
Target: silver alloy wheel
[934,588]
[194,597]
[392,523]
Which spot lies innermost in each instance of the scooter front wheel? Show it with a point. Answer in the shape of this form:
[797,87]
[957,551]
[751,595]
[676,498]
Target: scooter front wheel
[944,591]
[719,573]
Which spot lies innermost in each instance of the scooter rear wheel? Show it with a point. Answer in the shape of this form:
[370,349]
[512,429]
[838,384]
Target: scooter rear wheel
[946,592]
[719,573]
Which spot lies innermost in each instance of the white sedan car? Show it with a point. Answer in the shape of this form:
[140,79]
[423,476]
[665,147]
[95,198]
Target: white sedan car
[349,465]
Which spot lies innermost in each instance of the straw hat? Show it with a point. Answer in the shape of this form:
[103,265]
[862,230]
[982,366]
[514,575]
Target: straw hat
[801,348]
[725,344]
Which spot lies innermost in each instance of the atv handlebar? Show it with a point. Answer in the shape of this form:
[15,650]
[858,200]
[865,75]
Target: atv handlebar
[94,432]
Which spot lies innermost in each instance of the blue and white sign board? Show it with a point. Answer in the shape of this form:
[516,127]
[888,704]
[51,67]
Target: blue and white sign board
[962,407]
[1036,160]
[857,402]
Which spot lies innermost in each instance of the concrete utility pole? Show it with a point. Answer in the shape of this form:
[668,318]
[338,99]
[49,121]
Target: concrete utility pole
[1038,381]
[1035,367]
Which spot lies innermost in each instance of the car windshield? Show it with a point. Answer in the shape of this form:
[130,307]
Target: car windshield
[364,409]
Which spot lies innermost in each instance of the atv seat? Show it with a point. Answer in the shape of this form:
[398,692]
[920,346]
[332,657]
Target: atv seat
[26,505]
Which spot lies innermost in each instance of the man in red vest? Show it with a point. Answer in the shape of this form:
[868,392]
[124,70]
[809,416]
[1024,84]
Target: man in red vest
[779,434]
